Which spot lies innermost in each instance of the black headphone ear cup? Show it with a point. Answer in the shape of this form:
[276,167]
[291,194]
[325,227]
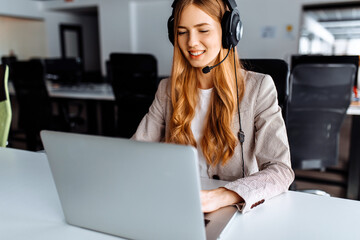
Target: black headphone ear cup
[236,29]
[225,26]
[231,29]
[170,26]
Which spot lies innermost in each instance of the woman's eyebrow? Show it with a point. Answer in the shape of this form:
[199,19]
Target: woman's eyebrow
[197,25]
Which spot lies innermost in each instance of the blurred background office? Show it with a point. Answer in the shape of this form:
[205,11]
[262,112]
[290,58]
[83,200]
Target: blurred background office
[74,39]
[272,29]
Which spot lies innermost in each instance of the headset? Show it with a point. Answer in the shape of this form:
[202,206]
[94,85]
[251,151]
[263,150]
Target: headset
[232,31]
[232,27]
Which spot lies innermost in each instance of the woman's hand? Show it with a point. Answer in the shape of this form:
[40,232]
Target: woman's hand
[214,199]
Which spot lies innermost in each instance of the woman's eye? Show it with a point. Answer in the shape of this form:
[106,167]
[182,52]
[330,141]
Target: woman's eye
[204,31]
[181,33]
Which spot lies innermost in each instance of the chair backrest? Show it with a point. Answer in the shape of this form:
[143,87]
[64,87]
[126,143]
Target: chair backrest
[320,95]
[133,74]
[8,60]
[302,59]
[279,71]
[134,82]
[35,107]
[5,107]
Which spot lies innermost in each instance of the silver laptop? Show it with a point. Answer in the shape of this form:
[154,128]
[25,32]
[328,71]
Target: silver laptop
[135,190]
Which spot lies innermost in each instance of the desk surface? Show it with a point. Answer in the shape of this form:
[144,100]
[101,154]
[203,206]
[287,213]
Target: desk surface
[87,91]
[30,209]
[354,109]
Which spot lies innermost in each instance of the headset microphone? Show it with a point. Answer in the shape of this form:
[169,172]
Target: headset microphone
[207,69]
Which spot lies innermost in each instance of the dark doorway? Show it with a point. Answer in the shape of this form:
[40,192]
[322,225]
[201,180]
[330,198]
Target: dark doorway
[71,41]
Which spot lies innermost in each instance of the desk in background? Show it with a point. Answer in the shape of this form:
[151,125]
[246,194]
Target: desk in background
[93,91]
[98,98]
[30,209]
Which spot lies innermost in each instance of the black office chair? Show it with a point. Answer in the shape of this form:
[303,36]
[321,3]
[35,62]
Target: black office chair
[304,59]
[279,71]
[320,95]
[8,60]
[134,82]
[35,106]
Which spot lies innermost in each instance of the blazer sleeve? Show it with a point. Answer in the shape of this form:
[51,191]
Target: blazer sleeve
[152,126]
[271,152]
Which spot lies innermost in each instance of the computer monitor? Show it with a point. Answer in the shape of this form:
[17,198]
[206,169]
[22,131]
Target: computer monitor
[64,70]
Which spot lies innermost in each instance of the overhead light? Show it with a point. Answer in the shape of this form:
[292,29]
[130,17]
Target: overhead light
[349,23]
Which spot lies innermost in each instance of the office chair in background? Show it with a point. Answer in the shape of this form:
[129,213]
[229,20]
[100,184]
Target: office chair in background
[303,59]
[279,71]
[320,95]
[35,106]
[134,82]
[8,60]
[5,107]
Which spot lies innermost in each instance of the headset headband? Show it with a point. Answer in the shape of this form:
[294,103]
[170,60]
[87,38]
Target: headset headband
[230,23]
[230,3]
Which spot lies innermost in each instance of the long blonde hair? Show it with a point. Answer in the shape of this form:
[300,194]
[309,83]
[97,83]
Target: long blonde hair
[218,142]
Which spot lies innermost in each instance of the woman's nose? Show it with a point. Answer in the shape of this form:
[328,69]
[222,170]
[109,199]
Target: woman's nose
[193,40]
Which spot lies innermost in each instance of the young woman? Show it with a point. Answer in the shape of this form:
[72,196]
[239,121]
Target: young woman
[209,110]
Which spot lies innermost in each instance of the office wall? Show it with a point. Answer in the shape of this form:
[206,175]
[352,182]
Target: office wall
[90,31]
[275,15]
[151,32]
[20,8]
[25,38]
[16,31]
[140,26]
[113,22]
[258,16]
[114,17]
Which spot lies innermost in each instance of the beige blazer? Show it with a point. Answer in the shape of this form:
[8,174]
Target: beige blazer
[266,150]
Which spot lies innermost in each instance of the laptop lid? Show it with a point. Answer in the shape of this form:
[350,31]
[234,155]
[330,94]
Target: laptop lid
[131,189]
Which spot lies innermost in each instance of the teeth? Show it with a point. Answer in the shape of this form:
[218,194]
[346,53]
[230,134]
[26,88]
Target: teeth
[196,53]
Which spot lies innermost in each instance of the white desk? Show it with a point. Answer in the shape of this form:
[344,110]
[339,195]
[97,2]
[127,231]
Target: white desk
[99,99]
[30,209]
[87,91]
[354,109]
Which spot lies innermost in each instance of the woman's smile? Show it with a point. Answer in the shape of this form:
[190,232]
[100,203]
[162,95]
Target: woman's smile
[196,54]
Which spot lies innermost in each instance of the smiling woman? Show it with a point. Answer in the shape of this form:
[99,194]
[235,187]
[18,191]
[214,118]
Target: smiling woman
[213,110]
[200,43]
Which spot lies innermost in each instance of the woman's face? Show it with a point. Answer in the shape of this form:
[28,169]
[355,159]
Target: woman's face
[199,37]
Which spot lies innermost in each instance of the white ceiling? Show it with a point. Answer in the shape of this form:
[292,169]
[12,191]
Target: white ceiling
[343,23]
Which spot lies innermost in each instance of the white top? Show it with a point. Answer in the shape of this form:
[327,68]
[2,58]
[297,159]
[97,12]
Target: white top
[198,125]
